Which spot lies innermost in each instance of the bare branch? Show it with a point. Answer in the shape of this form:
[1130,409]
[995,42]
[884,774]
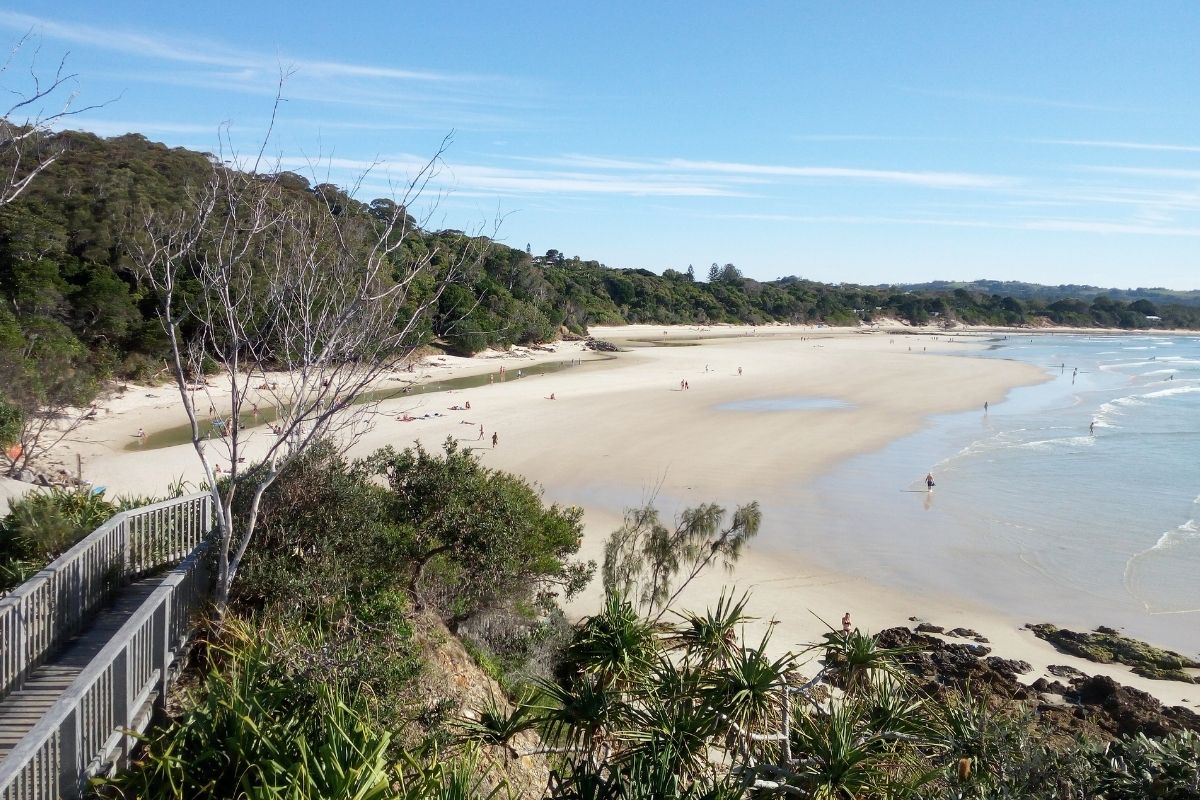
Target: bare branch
[318,303]
[26,147]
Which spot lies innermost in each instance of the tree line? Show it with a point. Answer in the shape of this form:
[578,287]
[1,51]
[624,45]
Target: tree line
[74,313]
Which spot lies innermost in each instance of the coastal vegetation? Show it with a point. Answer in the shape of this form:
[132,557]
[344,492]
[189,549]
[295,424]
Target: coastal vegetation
[78,306]
[325,679]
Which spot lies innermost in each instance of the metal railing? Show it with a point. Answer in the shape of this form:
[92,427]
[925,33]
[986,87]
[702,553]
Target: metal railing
[89,726]
[55,604]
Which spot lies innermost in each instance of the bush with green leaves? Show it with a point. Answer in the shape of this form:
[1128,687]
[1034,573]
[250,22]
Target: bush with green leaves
[42,525]
[269,723]
[477,537]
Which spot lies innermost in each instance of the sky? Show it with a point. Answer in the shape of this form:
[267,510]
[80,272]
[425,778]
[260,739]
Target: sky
[843,142]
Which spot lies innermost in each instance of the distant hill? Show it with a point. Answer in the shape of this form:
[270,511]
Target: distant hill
[1037,291]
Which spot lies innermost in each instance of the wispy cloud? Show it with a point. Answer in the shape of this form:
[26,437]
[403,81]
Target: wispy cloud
[479,178]
[197,51]
[1149,172]
[1049,225]
[440,98]
[1167,148]
[733,169]
[1015,99]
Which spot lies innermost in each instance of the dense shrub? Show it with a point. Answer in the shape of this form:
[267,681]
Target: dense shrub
[44,524]
[268,721]
[479,538]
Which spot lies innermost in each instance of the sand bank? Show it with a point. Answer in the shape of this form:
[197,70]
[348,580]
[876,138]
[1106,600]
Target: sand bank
[765,409]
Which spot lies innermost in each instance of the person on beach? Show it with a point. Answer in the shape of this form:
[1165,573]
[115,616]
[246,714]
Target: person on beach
[739,370]
[141,434]
[929,481]
[985,406]
[495,439]
[551,397]
[480,434]
[846,623]
[468,405]
[1092,428]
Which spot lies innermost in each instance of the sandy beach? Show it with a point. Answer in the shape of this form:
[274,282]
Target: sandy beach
[765,409]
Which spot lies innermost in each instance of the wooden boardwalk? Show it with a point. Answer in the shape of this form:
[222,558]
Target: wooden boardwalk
[21,710]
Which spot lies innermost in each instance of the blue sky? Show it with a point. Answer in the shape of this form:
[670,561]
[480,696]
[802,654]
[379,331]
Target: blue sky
[870,142]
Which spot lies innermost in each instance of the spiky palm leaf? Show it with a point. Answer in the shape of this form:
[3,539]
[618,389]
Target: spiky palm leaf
[615,646]
[711,637]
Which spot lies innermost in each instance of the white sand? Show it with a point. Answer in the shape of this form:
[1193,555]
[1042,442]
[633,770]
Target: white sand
[621,430]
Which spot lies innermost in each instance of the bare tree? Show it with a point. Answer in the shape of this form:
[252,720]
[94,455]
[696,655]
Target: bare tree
[43,386]
[294,302]
[34,107]
[40,412]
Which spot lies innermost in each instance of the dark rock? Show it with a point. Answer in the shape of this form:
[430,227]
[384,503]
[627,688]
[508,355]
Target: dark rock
[1128,711]
[983,640]
[965,633]
[1099,707]
[977,650]
[601,346]
[1009,665]
[925,627]
[1063,671]
[1105,648]
[1048,687]
[1108,630]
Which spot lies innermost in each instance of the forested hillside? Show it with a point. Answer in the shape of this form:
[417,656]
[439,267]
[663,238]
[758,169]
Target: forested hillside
[1048,294]
[69,295]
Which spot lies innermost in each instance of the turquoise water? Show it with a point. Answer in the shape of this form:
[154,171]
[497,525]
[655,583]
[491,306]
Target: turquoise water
[1034,514]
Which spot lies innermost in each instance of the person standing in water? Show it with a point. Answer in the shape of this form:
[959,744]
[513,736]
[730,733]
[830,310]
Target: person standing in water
[1092,428]
[495,439]
[985,406]
[929,482]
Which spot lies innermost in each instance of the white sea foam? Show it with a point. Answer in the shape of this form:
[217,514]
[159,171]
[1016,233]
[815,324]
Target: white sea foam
[1186,532]
[1065,441]
[1126,365]
[1172,391]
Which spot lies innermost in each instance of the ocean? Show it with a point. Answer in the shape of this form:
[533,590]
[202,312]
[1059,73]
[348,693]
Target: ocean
[1036,513]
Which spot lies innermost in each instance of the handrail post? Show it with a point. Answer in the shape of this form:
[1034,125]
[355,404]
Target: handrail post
[69,760]
[162,648]
[122,712]
[126,550]
[21,612]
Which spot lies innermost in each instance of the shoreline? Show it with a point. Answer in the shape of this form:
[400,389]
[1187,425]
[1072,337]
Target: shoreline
[620,431]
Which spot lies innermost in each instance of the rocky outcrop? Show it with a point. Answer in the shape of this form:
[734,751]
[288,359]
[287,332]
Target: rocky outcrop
[601,346]
[1106,646]
[1097,705]
[1122,710]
